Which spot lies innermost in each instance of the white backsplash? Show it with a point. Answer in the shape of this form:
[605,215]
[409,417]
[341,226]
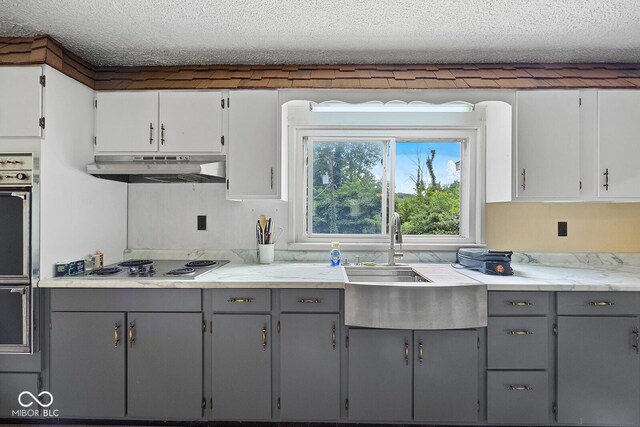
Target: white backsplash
[164,216]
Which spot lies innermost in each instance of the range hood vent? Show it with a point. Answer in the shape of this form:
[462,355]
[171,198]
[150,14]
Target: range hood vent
[159,169]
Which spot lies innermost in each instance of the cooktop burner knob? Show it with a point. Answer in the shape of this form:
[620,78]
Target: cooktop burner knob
[21,176]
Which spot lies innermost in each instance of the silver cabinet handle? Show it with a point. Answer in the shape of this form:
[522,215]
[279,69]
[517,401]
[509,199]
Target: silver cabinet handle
[150,133]
[264,338]
[602,303]
[240,300]
[309,300]
[333,336]
[520,387]
[606,179]
[406,352]
[520,332]
[524,179]
[162,134]
[272,178]
[520,303]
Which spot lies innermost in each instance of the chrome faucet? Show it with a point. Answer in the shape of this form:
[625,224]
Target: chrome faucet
[396,236]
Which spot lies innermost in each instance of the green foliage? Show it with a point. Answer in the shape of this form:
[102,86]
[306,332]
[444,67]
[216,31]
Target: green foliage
[435,213]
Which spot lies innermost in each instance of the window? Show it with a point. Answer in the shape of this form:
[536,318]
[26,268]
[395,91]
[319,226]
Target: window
[349,181]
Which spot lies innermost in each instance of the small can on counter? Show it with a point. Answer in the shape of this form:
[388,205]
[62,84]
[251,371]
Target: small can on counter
[98,260]
[61,269]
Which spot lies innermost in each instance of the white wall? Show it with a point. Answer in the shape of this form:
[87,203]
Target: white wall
[163,216]
[79,213]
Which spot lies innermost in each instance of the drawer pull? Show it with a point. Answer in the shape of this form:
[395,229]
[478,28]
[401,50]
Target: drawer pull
[132,336]
[333,336]
[116,334]
[421,352]
[240,300]
[309,300]
[264,338]
[520,303]
[521,387]
[520,332]
[602,303]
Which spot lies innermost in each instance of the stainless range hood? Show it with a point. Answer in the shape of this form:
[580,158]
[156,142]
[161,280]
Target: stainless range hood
[159,168]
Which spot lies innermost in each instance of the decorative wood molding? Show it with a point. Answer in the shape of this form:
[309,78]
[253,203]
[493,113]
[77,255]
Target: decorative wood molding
[45,50]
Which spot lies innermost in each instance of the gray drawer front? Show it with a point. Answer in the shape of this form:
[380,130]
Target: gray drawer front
[596,303]
[507,403]
[126,300]
[518,303]
[310,300]
[241,300]
[518,342]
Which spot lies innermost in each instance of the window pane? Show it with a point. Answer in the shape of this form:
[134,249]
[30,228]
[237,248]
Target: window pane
[427,187]
[347,187]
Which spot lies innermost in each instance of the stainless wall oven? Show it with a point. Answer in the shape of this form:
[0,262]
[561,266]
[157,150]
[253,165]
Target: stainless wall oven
[16,309]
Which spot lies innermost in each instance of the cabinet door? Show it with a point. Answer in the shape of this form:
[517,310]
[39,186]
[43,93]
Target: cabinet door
[87,372]
[165,365]
[127,121]
[446,376]
[598,371]
[21,101]
[11,385]
[190,122]
[380,375]
[309,367]
[241,367]
[254,149]
[619,143]
[548,144]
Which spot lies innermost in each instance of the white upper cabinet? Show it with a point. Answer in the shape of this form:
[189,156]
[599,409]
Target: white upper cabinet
[20,101]
[548,144]
[127,121]
[619,144]
[254,156]
[190,122]
[150,121]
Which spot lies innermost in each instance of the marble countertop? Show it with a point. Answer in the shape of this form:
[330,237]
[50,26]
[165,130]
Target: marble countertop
[238,274]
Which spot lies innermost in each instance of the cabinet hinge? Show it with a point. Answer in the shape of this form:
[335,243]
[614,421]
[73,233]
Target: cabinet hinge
[554,408]
[211,326]
[222,103]
[204,403]
[228,103]
[278,403]
[41,122]
[580,185]
[555,329]
[346,404]
[222,140]
[204,326]
[211,402]
[43,81]
[95,103]
[579,102]
[278,327]
[478,343]
[95,140]
[346,341]
[478,406]
[227,184]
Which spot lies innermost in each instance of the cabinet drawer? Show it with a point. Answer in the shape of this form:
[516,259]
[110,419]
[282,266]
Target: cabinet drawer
[515,303]
[595,303]
[518,342]
[310,300]
[517,397]
[241,300]
[126,300]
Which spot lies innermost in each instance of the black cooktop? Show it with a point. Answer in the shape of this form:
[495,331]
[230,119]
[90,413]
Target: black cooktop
[135,263]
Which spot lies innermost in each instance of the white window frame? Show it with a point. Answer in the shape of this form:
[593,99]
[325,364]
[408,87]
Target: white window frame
[471,185]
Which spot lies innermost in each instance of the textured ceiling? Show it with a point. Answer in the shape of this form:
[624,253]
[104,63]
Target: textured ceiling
[164,32]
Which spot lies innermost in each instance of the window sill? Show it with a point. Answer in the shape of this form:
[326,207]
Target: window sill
[381,247]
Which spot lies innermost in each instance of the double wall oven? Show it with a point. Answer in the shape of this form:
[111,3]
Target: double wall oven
[16,308]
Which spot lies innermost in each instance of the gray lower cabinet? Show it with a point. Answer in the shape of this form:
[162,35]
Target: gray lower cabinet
[241,366]
[598,370]
[164,369]
[380,375]
[11,385]
[446,376]
[310,367]
[88,364]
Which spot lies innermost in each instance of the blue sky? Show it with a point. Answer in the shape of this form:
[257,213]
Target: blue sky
[447,153]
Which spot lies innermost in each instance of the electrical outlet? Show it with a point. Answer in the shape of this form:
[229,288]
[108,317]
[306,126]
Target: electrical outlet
[202,222]
[562,229]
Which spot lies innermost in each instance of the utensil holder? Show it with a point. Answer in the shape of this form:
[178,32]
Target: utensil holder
[266,253]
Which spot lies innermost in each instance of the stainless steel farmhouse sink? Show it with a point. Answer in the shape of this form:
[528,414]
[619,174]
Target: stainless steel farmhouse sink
[403,297]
